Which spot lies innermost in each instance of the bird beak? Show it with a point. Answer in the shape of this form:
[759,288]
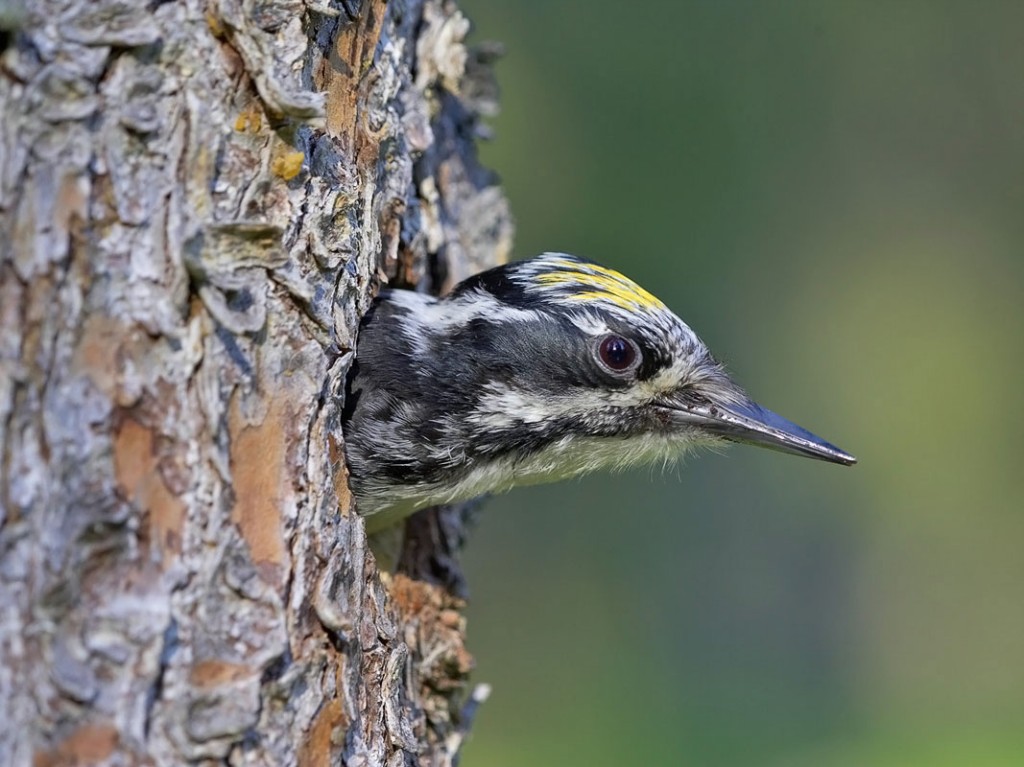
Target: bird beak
[755,425]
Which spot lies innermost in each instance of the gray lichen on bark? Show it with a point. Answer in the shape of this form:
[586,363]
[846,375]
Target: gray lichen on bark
[197,201]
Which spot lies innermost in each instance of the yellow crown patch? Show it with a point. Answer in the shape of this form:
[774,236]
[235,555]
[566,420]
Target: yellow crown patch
[596,283]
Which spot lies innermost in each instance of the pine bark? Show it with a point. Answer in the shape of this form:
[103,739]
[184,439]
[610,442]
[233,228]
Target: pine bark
[197,203]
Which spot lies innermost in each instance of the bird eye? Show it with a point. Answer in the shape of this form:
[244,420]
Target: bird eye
[616,353]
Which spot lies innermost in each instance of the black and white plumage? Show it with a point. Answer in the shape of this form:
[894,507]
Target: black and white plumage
[533,372]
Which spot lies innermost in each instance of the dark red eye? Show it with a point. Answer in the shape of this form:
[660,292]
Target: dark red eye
[617,353]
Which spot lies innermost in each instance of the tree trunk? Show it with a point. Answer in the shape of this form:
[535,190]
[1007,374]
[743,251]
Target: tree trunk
[197,202]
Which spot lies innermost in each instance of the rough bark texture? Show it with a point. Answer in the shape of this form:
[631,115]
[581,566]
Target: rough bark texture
[197,201]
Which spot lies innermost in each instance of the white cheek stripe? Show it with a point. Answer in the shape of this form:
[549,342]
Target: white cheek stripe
[500,406]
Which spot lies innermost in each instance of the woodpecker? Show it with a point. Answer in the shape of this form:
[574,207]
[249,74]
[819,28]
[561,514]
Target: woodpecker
[533,372]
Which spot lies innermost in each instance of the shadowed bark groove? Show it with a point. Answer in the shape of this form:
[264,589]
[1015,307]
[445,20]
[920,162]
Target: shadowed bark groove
[197,202]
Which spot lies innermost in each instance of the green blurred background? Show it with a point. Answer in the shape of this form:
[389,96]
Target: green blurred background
[832,195]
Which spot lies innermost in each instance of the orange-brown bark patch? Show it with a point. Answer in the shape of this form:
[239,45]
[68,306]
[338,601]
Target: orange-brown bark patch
[89,744]
[138,477]
[258,470]
[97,350]
[440,630]
[318,747]
[339,472]
[213,672]
[352,56]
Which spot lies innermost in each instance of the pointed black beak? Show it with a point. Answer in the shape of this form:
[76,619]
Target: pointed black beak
[753,424]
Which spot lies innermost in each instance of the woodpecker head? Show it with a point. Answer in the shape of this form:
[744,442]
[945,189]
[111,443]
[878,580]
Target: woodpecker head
[533,372]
